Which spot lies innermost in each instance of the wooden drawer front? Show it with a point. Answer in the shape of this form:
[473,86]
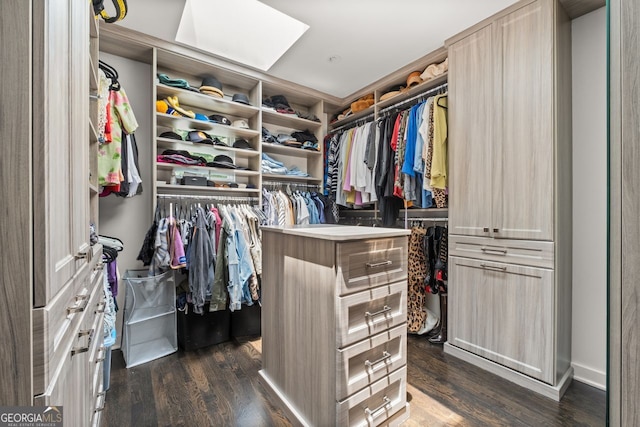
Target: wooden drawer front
[52,326]
[369,360]
[96,328]
[504,313]
[373,405]
[370,312]
[522,252]
[369,263]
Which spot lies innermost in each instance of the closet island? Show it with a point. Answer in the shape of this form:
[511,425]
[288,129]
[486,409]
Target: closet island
[334,309]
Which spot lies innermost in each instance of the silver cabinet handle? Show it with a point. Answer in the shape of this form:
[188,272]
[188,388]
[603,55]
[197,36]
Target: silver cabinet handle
[101,307]
[378,264]
[84,332]
[81,307]
[370,413]
[500,251]
[485,229]
[493,267]
[102,349]
[496,230]
[78,350]
[385,355]
[384,310]
[104,400]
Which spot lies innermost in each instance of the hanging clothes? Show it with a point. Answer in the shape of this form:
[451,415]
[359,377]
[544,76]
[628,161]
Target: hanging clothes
[417,261]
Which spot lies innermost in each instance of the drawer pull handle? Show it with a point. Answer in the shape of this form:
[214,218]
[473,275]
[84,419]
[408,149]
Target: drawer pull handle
[485,229]
[385,402]
[493,267]
[500,251]
[384,310]
[379,264]
[385,355]
[82,255]
[78,350]
[84,301]
[102,350]
[101,307]
[84,332]
[104,400]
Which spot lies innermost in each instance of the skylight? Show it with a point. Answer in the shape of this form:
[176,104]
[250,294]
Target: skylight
[246,31]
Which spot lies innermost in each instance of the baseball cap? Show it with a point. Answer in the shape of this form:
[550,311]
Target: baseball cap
[242,124]
[241,98]
[217,118]
[171,135]
[242,143]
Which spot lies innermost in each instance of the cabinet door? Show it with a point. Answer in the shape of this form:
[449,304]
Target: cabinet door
[504,313]
[54,150]
[523,160]
[470,134]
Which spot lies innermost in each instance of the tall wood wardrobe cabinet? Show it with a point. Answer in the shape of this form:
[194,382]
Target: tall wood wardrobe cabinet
[510,195]
[52,289]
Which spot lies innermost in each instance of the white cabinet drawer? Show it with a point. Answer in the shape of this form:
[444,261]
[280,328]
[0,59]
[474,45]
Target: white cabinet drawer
[373,405]
[369,360]
[370,312]
[522,252]
[365,264]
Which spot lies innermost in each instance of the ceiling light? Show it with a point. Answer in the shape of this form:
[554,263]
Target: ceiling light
[245,31]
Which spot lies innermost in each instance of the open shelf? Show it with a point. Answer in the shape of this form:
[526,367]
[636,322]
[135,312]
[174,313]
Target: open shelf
[353,117]
[278,177]
[238,172]
[168,188]
[415,90]
[188,98]
[185,123]
[268,147]
[168,143]
[288,120]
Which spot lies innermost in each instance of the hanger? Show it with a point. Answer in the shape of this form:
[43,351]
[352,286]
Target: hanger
[111,73]
[440,105]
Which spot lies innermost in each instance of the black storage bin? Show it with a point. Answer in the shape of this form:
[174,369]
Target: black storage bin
[246,321]
[201,330]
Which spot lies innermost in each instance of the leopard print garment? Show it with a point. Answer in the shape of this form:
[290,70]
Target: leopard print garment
[416,314]
[440,197]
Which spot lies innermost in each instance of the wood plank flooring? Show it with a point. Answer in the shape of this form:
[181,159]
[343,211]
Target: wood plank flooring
[218,386]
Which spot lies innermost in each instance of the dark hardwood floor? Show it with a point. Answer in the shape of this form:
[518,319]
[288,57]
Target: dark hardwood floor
[218,386]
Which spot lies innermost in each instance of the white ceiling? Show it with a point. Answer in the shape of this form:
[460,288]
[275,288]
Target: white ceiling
[373,38]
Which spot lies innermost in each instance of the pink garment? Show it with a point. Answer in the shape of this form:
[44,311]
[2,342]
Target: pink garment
[215,212]
[178,258]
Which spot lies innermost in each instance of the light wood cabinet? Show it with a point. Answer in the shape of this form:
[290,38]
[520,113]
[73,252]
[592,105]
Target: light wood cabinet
[523,154]
[329,316]
[502,125]
[510,195]
[470,127]
[485,320]
[62,313]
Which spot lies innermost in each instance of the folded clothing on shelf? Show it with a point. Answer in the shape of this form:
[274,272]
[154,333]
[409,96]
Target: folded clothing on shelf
[268,137]
[270,165]
[278,103]
[304,136]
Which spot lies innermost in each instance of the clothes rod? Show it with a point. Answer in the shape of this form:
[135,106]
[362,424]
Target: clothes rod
[290,184]
[423,94]
[358,122]
[212,197]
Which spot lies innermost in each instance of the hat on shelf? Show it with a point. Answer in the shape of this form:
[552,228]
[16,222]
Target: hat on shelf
[171,135]
[242,124]
[243,144]
[222,161]
[308,145]
[414,79]
[362,103]
[166,80]
[175,104]
[434,70]
[217,118]
[162,106]
[211,86]
[241,98]
[391,92]
[199,137]
[201,117]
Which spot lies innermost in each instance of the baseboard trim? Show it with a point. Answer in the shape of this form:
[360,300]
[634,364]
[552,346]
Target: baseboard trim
[552,392]
[281,401]
[590,376]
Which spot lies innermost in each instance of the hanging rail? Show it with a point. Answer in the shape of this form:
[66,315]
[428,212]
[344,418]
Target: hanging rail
[212,197]
[357,122]
[279,184]
[413,98]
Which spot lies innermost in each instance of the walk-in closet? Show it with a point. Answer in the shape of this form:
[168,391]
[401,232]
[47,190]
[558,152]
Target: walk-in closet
[359,213]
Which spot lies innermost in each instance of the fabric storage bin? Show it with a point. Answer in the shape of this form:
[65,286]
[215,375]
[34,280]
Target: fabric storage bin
[202,330]
[246,321]
[149,317]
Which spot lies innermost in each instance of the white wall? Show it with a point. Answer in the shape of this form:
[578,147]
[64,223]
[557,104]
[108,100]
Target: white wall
[129,218]
[589,340]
